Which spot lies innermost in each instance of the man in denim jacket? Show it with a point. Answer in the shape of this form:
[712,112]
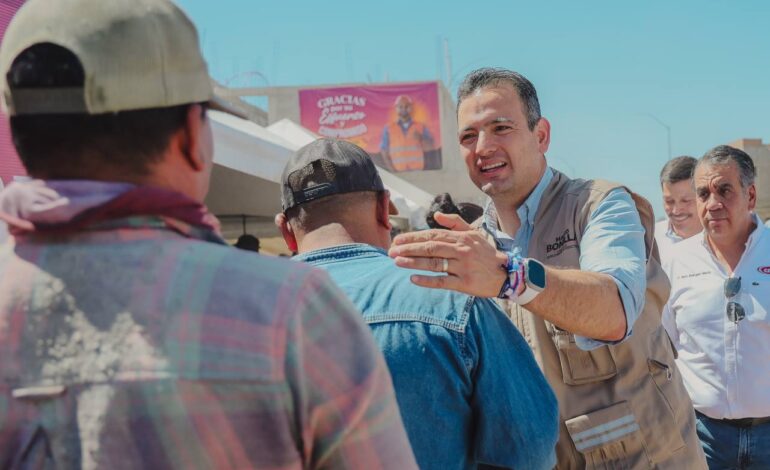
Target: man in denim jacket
[469,390]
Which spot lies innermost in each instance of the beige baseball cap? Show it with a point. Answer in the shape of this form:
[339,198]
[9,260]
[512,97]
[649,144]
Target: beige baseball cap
[136,54]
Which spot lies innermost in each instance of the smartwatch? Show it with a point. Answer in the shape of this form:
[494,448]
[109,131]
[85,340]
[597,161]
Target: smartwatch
[534,280]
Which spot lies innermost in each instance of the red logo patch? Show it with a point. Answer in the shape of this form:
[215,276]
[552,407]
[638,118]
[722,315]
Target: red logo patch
[764,269]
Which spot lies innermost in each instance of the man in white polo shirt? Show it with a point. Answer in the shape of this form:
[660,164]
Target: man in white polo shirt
[679,203]
[717,314]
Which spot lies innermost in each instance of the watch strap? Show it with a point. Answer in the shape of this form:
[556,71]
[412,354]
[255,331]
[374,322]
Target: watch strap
[515,270]
[527,296]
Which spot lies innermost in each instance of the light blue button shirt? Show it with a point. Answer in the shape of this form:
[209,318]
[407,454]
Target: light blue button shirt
[613,243]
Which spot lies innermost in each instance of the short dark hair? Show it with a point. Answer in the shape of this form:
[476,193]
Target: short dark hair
[443,203]
[77,145]
[310,215]
[724,154]
[492,77]
[247,242]
[677,169]
[470,211]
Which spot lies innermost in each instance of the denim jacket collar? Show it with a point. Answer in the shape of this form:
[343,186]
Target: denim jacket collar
[349,250]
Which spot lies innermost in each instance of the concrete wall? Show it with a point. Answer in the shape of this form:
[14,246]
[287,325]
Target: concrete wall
[283,102]
[760,153]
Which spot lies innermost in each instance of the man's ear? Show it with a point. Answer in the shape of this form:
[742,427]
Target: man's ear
[543,131]
[752,197]
[383,209]
[286,232]
[190,138]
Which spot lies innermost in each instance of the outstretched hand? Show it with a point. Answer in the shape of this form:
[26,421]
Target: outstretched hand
[474,266]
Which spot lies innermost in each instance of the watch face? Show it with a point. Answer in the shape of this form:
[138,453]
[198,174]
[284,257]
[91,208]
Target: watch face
[535,274]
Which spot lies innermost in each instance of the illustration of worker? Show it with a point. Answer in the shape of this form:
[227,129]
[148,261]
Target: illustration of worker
[405,141]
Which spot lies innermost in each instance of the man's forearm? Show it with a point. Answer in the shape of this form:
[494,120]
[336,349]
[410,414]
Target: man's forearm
[585,303]
[582,302]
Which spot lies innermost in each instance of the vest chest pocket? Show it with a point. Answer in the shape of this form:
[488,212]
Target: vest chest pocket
[609,438]
[580,367]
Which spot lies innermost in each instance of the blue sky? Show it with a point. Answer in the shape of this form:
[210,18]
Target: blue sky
[601,68]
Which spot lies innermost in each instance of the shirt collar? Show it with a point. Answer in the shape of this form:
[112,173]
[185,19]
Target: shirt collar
[348,250]
[526,211]
[66,206]
[671,234]
[757,233]
[53,202]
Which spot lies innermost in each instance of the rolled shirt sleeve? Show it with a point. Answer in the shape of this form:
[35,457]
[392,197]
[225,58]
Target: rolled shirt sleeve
[613,243]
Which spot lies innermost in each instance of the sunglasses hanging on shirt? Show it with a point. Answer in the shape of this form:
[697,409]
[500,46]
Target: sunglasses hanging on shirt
[735,311]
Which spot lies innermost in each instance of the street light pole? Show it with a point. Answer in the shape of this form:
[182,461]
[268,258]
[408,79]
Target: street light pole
[668,131]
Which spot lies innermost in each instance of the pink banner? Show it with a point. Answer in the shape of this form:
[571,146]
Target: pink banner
[10,165]
[399,125]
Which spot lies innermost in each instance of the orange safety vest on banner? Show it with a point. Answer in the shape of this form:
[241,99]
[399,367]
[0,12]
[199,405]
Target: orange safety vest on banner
[406,147]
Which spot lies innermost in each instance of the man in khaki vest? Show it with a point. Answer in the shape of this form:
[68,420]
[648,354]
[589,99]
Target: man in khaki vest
[575,265]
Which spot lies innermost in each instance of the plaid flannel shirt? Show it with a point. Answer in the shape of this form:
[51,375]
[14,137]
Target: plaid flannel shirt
[133,344]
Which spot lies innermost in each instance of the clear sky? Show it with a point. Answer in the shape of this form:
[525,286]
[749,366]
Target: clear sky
[602,68]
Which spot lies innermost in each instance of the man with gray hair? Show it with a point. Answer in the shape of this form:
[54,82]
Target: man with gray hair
[679,204]
[718,313]
[574,266]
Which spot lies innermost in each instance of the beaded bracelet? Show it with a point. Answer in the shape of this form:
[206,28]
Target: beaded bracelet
[515,269]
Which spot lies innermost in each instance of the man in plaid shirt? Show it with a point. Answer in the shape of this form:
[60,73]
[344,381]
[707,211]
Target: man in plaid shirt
[131,336]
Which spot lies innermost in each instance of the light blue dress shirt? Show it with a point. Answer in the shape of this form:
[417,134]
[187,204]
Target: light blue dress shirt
[613,243]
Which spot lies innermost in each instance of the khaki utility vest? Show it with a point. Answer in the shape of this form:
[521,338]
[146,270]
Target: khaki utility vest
[622,406]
